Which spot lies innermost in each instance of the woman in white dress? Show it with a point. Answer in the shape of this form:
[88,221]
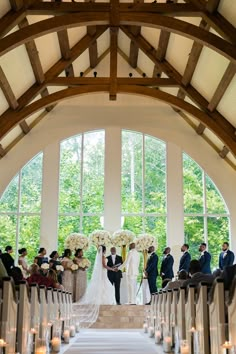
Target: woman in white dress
[99,291]
[23,263]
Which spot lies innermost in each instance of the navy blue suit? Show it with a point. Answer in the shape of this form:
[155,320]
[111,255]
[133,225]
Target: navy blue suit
[226,259]
[184,262]
[205,263]
[167,267]
[152,271]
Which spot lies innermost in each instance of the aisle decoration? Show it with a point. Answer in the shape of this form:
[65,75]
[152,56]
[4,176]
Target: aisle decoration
[143,242]
[76,241]
[122,238]
[100,238]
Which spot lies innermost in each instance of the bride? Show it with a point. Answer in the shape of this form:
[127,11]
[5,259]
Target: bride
[99,291]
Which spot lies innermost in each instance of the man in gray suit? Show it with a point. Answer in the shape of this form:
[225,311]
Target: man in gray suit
[196,275]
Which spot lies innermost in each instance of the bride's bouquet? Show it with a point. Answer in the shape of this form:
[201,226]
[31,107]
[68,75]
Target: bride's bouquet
[100,238]
[84,263]
[122,238]
[76,241]
[144,241]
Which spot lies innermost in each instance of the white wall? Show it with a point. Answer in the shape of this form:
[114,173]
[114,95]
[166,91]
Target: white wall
[143,114]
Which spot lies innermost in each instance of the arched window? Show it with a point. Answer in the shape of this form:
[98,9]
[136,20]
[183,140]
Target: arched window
[20,209]
[206,218]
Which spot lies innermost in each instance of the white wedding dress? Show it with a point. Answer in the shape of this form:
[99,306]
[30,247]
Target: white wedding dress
[99,292]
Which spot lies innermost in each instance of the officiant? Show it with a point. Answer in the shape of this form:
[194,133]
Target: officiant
[115,277]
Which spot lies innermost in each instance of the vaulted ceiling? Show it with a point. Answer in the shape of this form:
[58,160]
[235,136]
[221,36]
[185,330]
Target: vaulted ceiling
[180,52]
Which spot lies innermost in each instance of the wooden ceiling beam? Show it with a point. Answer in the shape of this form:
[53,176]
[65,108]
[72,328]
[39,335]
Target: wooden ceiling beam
[212,5]
[93,48]
[200,129]
[16,4]
[7,90]
[156,21]
[224,152]
[70,71]
[64,44]
[16,117]
[55,70]
[45,93]
[222,87]
[33,55]
[11,20]
[25,127]
[113,62]
[78,81]
[55,9]
[2,151]
[133,52]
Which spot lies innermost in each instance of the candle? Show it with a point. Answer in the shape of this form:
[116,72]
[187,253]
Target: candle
[72,331]
[3,345]
[226,347]
[151,331]
[33,332]
[145,327]
[56,344]
[77,327]
[184,349]
[157,337]
[167,344]
[41,350]
[66,336]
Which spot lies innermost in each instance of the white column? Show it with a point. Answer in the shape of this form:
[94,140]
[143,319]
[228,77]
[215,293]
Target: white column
[112,193]
[175,218]
[49,218]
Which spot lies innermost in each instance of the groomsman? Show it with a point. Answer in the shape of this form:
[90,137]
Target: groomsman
[185,259]
[115,277]
[151,271]
[205,259]
[166,271]
[226,257]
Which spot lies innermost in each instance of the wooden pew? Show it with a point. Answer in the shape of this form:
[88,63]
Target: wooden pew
[231,305]
[190,316]
[173,320]
[23,318]
[180,325]
[202,319]
[217,316]
[44,315]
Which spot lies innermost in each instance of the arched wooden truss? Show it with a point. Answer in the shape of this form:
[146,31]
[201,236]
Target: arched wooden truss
[126,17]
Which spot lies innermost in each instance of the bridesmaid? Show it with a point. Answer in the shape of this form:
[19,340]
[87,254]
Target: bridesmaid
[67,278]
[80,277]
[23,263]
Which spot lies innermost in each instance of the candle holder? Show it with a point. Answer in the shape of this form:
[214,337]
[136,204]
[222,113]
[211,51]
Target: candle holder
[151,331]
[72,331]
[77,327]
[3,346]
[184,346]
[56,342]
[33,333]
[158,336]
[167,340]
[145,327]
[66,335]
[226,346]
[41,346]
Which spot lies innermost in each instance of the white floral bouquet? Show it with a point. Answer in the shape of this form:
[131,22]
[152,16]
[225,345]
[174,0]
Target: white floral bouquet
[144,241]
[100,238]
[59,268]
[76,241]
[84,263]
[122,238]
[45,266]
[74,267]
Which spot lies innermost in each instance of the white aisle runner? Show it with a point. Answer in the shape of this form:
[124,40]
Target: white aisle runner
[112,342]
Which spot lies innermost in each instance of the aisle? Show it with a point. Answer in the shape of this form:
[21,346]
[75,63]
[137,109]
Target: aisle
[93,341]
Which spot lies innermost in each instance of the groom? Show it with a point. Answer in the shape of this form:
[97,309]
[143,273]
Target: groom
[115,277]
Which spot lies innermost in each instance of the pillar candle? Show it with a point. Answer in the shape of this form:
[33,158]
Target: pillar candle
[151,331]
[56,344]
[66,336]
[145,327]
[158,337]
[72,331]
[167,344]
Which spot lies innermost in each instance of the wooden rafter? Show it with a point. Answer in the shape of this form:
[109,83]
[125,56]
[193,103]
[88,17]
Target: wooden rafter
[167,23]
[133,56]
[113,62]
[93,48]
[10,20]
[212,5]
[7,90]
[16,4]
[2,151]
[224,152]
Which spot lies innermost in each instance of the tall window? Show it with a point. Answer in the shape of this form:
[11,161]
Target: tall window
[20,209]
[206,215]
[81,196]
[144,185]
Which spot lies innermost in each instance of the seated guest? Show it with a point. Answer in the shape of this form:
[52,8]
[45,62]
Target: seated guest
[174,284]
[22,262]
[226,257]
[7,259]
[165,282]
[228,275]
[52,275]
[16,274]
[41,256]
[3,272]
[36,278]
[53,263]
[196,275]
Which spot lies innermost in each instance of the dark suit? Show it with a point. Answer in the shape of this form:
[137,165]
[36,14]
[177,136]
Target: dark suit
[166,270]
[115,277]
[226,259]
[205,263]
[184,262]
[152,272]
[8,262]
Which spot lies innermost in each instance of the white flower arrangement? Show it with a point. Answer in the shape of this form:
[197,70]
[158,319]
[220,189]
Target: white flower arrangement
[122,238]
[76,241]
[100,238]
[45,266]
[144,241]
[84,263]
[74,267]
[59,268]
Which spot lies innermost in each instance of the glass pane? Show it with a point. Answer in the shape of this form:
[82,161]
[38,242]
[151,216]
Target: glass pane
[90,223]
[8,231]
[31,185]
[9,199]
[70,175]
[29,236]
[193,186]
[215,202]
[91,255]
[67,225]
[155,175]
[194,234]
[218,232]
[93,172]
[132,171]
[157,227]
[133,223]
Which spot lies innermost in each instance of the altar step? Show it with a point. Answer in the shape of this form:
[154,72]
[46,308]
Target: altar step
[120,316]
